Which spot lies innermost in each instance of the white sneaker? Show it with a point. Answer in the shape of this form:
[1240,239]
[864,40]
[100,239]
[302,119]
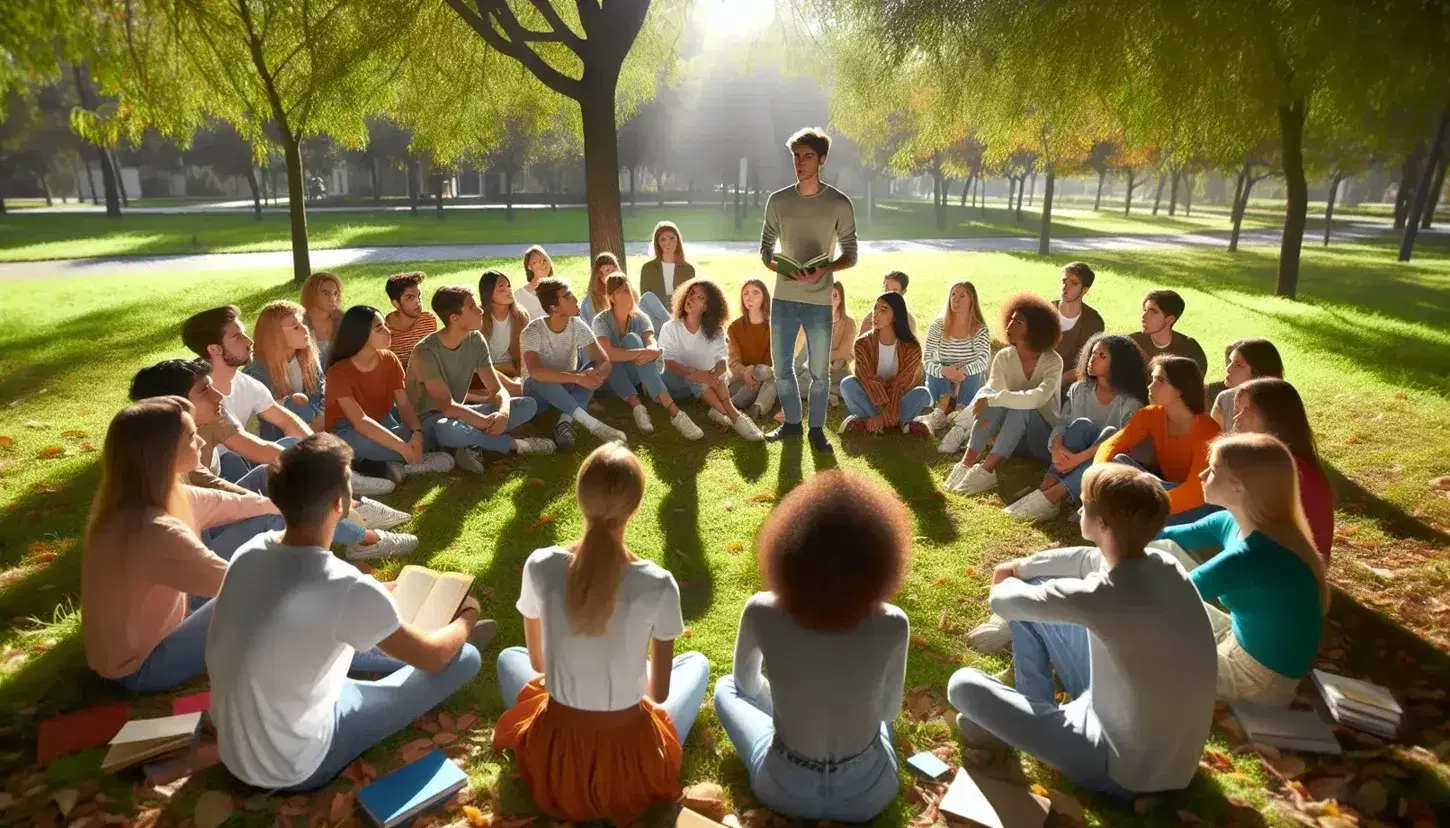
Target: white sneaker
[747,428]
[991,636]
[642,420]
[1034,508]
[975,481]
[606,432]
[434,462]
[389,545]
[848,424]
[924,423]
[720,418]
[525,446]
[686,426]
[955,475]
[364,485]
[937,420]
[953,440]
[374,515]
[468,459]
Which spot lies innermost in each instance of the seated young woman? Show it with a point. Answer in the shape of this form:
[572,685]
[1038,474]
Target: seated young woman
[596,298]
[287,362]
[752,380]
[815,736]
[1020,403]
[1174,423]
[843,350]
[503,322]
[367,399]
[595,724]
[627,337]
[886,391]
[537,267]
[144,556]
[1246,359]
[1269,576]
[322,304]
[1272,406]
[661,276]
[958,348]
[693,342]
[1113,387]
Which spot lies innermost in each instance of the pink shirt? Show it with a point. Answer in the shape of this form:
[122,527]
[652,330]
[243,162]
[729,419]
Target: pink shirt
[137,574]
[1318,502]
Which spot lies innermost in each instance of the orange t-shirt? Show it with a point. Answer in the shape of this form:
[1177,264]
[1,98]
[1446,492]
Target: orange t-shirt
[1181,459]
[372,390]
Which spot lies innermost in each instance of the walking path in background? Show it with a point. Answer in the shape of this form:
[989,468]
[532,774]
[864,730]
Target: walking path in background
[341,257]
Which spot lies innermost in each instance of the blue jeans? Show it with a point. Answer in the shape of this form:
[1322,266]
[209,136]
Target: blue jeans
[625,378]
[689,676]
[913,402]
[451,433]
[1181,518]
[368,712]
[232,467]
[787,319]
[854,790]
[681,388]
[348,532]
[364,448]
[655,309]
[1081,435]
[306,412]
[1020,432]
[566,399]
[942,387]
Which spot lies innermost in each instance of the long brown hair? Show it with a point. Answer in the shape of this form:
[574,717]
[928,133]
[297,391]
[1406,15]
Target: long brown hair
[609,489]
[975,315]
[840,312]
[314,283]
[486,285]
[765,304]
[679,242]
[598,296]
[536,249]
[1282,410]
[138,465]
[273,353]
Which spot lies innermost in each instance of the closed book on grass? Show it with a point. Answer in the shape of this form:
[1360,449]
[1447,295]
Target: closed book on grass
[789,268]
[1282,727]
[977,800]
[411,790]
[80,729]
[1359,704]
[144,740]
[427,599]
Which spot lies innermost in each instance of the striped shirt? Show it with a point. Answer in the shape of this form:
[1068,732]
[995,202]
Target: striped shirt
[404,341]
[975,351]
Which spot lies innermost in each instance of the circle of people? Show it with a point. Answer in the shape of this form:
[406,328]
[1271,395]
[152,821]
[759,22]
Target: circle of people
[1208,520]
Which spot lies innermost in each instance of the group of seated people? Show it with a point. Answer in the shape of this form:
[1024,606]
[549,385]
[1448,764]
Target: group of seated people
[208,549]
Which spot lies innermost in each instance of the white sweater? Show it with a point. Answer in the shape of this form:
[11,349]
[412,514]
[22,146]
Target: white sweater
[1008,386]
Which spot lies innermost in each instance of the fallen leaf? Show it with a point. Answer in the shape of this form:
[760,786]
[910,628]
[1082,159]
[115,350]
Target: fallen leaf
[687,633]
[6,441]
[763,497]
[465,721]
[1290,767]
[734,547]
[74,433]
[1218,761]
[445,738]
[447,722]
[549,518]
[476,818]
[706,799]
[212,809]
[918,640]
[944,624]
[1328,787]
[340,808]
[1039,790]
[429,726]
[51,451]
[919,701]
[415,750]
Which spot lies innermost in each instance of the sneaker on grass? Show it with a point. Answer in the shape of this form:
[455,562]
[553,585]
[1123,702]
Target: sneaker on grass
[1034,508]
[434,462]
[851,423]
[718,417]
[469,459]
[374,515]
[953,440]
[371,486]
[525,446]
[389,545]
[991,636]
[564,434]
[746,427]
[642,420]
[686,426]
[975,481]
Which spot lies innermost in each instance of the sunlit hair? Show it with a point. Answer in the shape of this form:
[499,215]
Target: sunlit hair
[1127,365]
[900,318]
[1259,354]
[1185,377]
[975,320]
[1083,273]
[1129,501]
[1265,468]
[353,334]
[272,351]
[138,467]
[679,241]
[715,311]
[900,277]
[598,296]
[614,284]
[765,301]
[487,284]
[550,290]
[1282,411]
[1168,301]
[313,286]
[1043,326]
[835,549]
[813,137]
[536,250]
[449,300]
[609,489]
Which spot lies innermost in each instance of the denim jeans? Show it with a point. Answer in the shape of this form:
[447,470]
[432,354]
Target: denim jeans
[1081,435]
[566,399]
[762,395]
[1021,432]
[1180,518]
[853,394]
[625,378]
[451,433]
[942,387]
[348,532]
[306,412]
[363,446]
[837,371]
[655,309]
[689,676]
[787,319]
[681,388]
[854,790]
[232,467]
[368,712]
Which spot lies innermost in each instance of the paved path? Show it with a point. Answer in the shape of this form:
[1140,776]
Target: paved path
[341,257]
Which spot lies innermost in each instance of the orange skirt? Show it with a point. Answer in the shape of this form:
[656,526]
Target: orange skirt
[583,765]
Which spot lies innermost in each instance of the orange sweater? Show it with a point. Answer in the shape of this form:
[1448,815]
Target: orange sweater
[1181,459]
[886,394]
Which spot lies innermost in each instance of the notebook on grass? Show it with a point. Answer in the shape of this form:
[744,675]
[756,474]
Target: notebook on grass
[143,740]
[411,790]
[979,800]
[427,599]
[1282,727]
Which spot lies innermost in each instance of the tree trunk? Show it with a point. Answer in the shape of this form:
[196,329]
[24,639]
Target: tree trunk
[869,200]
[1173,194]
[1422,189]
[1436,190]
[940,206]
[1187,195]
[378,181]
[108,172]
[601,167]
[631,189]
[1329,205]
[1291,127]
[120,185]
[966,185]
[1044,238]
[1407,184]
[1233,208]
[256,191]
[738,215]
[1158,196]
[1032,190]
[1241,203]
[1128,201]
[1098,199]
[45,190]
[411,171]
[1021,186]
[297,209]
[508,194]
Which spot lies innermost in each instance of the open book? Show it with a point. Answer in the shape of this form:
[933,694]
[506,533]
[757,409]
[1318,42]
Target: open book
[142,740]
[788,267]
[427,599]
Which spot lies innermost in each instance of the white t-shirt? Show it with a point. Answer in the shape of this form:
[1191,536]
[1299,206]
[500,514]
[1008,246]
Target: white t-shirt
[294,376]
[1068,322]
[529,302]
[288,621]
[501,339]
[248,398]
[609,671]
[692,349]
[558,351]
[668,269]
[885,361]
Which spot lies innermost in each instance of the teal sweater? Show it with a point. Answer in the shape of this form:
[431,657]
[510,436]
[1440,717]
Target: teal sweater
[1271,594]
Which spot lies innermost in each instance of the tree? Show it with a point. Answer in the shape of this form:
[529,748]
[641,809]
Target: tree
[229,155]
[1101,160]
[867,103]
[511,157]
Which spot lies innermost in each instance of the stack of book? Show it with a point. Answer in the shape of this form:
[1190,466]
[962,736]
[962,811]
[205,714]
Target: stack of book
[1360,704]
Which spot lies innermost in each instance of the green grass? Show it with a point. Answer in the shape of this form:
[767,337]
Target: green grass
[1367,346]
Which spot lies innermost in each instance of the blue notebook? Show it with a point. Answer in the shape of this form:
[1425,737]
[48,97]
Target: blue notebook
[411,789]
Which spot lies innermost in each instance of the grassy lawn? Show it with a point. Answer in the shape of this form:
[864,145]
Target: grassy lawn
[27,237]
[1368,347]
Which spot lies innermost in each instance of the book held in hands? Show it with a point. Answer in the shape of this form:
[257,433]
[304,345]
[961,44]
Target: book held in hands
[790,268]
[429,600]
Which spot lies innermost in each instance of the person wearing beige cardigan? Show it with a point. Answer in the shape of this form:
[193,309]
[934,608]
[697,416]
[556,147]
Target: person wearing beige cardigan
[659,276]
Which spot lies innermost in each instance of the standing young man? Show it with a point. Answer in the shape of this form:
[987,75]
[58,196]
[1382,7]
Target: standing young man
[1161,311]
[1079,321]
[409,322]
[808,218]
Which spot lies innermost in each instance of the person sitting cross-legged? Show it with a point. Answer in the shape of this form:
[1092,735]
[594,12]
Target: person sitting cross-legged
[439,374]
[696,356]
[747,341]
[291,621]
[552,375]
[814,727]
[1129,640]
[598,701]
[958,350]
[627,337]
[886,391]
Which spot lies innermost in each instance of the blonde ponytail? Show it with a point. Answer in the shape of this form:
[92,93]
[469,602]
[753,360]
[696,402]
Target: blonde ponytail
[609,489]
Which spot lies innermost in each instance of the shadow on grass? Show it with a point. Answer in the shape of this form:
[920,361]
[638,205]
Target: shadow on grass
[1392,519]
[684,548]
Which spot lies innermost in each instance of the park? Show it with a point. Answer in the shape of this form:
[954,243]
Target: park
[1282,170]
